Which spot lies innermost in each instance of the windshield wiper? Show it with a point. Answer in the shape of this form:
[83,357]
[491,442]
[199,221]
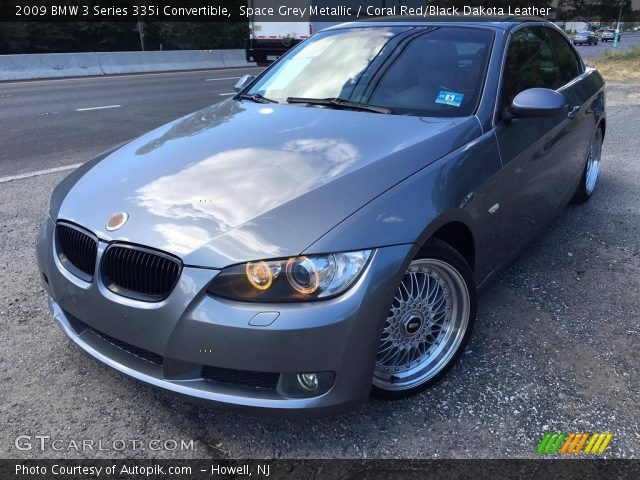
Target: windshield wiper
[255,97]
[339,103]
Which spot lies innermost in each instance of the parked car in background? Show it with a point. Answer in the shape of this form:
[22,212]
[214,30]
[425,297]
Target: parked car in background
[609,34]
[323,233]
[586,37]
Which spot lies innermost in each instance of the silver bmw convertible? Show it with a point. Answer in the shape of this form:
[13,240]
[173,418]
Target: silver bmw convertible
[321,235]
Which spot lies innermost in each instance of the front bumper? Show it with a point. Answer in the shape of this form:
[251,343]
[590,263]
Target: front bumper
[168,344]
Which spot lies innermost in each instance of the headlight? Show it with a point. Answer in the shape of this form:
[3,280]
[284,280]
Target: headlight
[300,278]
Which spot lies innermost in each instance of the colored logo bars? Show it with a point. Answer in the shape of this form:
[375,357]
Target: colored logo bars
[576,442]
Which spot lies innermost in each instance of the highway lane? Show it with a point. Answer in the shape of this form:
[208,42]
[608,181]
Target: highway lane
[53,123]
[591,51]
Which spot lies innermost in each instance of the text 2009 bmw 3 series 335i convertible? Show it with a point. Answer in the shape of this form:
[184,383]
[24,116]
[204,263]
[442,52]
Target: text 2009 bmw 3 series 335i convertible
[321,235]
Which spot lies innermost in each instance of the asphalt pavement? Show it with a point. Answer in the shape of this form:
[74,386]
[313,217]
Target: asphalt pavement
[591,51]
[52,123]
[555,347]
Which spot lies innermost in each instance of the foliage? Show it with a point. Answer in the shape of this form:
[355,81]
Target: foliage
[606,10]
[49,37]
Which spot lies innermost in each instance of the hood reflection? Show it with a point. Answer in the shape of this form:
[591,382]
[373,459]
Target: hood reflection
[194,124]
[234,186]
[182,239]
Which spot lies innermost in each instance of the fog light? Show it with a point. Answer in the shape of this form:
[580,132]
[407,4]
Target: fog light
[305,385]
[308,381]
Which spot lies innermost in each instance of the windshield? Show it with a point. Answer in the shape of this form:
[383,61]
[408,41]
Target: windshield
[426,71]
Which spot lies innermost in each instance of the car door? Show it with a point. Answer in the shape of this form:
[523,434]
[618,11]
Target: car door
[535,152]
[574,140]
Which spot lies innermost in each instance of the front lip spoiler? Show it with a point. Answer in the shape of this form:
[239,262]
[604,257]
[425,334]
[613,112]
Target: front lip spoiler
[92,344]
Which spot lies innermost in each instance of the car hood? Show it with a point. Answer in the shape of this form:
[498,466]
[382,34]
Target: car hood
[242,181]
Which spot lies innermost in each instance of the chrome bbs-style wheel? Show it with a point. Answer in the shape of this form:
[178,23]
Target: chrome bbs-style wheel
[593,162]
[591,169]
[425,327]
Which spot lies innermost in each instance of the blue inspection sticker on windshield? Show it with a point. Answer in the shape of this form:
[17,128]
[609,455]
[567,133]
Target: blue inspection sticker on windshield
[450,98]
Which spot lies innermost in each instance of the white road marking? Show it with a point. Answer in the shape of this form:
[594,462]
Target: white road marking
[97,108]
[223,78]
[37,173]
[111,77]
[226,94]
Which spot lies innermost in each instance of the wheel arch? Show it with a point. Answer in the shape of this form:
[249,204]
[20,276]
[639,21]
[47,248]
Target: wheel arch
[458,236]
[454,231]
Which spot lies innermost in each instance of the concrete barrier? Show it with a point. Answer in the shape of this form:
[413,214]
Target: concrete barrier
[55,65]
[17,67]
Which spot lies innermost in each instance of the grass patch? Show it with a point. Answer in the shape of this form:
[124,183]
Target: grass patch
[619,65]
[633,52]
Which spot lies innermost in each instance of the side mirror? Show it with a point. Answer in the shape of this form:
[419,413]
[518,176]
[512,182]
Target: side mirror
[243,82]
[537,102]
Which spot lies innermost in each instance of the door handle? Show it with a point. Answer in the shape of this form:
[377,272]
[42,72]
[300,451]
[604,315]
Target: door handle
[573,112]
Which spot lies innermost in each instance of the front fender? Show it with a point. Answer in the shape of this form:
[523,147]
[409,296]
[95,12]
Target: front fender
[452,189]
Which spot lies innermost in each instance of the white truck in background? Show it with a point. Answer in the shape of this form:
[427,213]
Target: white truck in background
[268,39]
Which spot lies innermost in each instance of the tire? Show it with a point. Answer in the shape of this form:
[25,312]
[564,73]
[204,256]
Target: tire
[591,169]
[428,325]
[261,61]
